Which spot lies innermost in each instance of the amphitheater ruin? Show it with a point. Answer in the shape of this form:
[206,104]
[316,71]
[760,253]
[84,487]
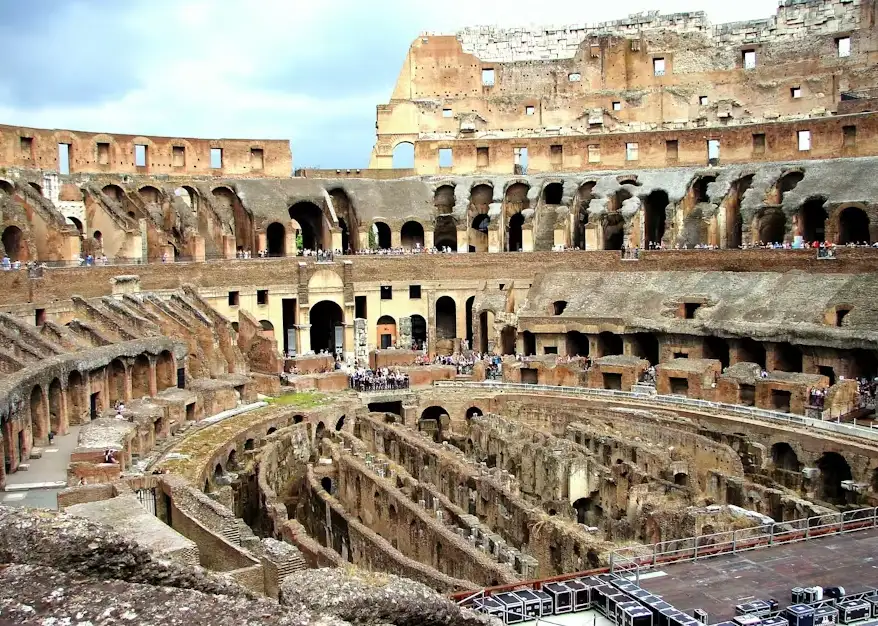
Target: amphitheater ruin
[630,283]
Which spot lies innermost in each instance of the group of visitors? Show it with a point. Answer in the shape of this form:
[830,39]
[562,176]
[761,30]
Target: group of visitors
[816,398]
[320,254]
[381,379]
[401,251]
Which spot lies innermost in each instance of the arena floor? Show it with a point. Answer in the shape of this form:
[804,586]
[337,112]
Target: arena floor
[718,584]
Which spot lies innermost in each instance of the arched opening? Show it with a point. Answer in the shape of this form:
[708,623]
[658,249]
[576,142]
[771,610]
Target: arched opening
[419,332]
[267,329]
[76,223]
[76,406]
[445,233]
[380,236]
[717,348]
[164,371]
[609,343]
[446,318]
[345,235]
[784,457]
[646,346]
[339,424]
[468,315]
[751,351]
[12,244]
[473,411]
[412,235]
[149,194]
[553,193]
[699,188]
[116,381]
[310,218]
[681,479]
[864,364]
[514,238]
[443,199]
[250,444]
[298,419]
[507,340]
[431,421]
[55,406]
[6,187]
[218,471]
[140,377]
[404,156]
[189,197]
[326,483]
[276,239]
[853,226]
[320,430]
[833,470]
[614,231]
[577,343]
[386,331]
[788,182]
[588,511]
[36,187]
[271,430]
[812,220]
[734,222]
[788,358]
[771,226]
[38,418]
[226,202]
[654,208]
[529,343]
[478,233]
[584,196]
[232,461]
[327,329]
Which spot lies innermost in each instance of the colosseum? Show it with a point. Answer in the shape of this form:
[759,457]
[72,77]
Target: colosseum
[606,349]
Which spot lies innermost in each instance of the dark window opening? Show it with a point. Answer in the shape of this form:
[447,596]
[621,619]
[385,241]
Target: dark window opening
[780,400]
[360,307]
[386,292]
[759,143]
[40,317]
[554,193]
[414,292]
[612,381]
[234,298]
[679,386]
[828,371]
[550,350]
[529,376]
[840,314]
[689,309]
[748,395]
[262,296]
[558,307]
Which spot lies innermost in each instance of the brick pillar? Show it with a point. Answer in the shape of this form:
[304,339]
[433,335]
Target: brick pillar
[462,241]
[395,239]
[153,383]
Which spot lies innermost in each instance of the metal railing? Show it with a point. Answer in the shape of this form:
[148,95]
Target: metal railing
[663,401]
[634,559]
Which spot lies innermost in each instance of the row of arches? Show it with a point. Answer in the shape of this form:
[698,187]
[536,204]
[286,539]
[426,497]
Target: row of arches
[81,396]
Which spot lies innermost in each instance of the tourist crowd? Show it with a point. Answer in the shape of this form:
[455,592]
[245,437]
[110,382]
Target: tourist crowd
[382,379]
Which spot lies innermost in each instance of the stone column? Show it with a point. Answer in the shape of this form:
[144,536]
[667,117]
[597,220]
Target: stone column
[429,238]
[336,241]
[404,332]
[462,241]
[304,337]
[395,238]
[349,341]
[527,239]
[153,383]
[361,342]
[290,240]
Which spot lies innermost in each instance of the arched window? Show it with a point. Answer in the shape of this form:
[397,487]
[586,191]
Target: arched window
[404,155]
[412,235]
[853,226]
[276,239]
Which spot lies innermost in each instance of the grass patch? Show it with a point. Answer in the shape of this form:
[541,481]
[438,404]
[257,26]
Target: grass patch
[302,399]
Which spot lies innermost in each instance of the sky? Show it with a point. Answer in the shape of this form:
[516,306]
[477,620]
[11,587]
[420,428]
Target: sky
[311,72]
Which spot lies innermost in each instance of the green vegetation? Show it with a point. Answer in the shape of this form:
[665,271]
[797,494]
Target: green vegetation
[301,399]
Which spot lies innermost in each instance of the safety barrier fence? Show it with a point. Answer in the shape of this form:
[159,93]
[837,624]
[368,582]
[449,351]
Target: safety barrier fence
[630,561]
[680,402]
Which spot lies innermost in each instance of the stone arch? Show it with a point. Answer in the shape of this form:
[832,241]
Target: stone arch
[515,233]
[319,430]
[681,479]
[114,191]
[381,235]
[116,381]
[385,329]
[403,155]
[584,196]
[39,419]
[267,329]
[609,343]
[419,331]
[553,193]
[588,511]
[473,411]
[446,318]
[140,375]
[77,408]
[853,226]
[785,458]
[443,199]
[150,194]
[412,235]
[699,188]
[232,459]
[57,419]
[655,207]
[6,187]
[834,469]
[311,220]
[445,232]
[431,419]
[614,230]
[339,423]
[771,225]
[811,220]
[325,316]
[13,244]
[577,343]
[734,221]
[276,239]
[787,182]
[478,233]
[298,419]
[250,444]
[78,224]
[164,371]
[189,196]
